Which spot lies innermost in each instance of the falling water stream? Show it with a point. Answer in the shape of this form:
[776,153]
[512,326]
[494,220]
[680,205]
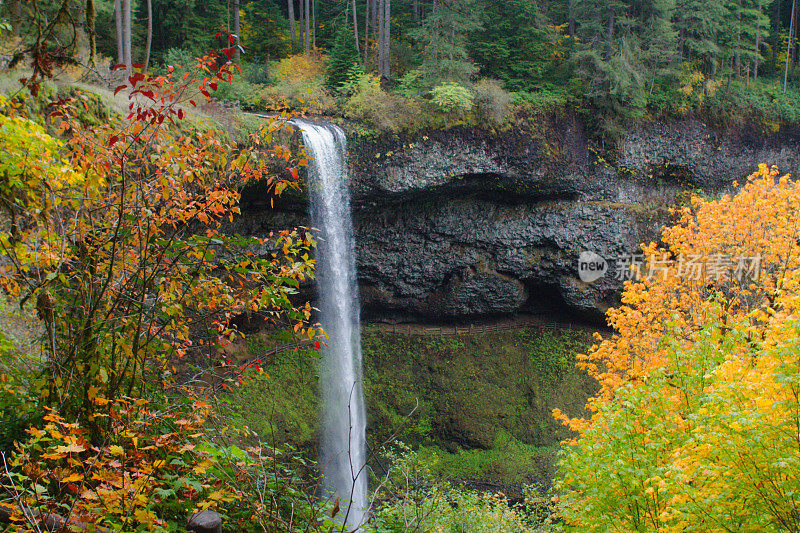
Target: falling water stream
[343,452]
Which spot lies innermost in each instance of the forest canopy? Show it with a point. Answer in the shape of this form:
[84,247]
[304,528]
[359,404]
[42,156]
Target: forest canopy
[621,60]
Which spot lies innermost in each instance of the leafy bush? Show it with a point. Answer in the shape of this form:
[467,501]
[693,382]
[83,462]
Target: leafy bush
[20,363]
[695,426]
[547,99]
[384,111]
[412,501]
[412,84]
[299,82]
[491,102]
[124,483]
[759,102]
[452,99]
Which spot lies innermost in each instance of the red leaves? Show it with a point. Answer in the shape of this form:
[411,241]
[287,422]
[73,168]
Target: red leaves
[180,114]
[112,140]
[135,78]
[119,66]
[294,173]
[118,89]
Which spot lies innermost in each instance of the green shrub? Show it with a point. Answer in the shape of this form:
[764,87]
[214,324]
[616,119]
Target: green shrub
[257,73]
[411,500]
[20,369]
[412,84]
[384,111]
[491,102]
[452,99]
[762,102]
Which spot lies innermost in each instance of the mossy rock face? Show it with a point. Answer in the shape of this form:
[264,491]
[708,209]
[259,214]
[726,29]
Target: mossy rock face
[279,403]
[456,392]
[467,390]
[478,407]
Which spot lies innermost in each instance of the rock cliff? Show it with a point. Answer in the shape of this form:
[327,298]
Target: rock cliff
[461,223]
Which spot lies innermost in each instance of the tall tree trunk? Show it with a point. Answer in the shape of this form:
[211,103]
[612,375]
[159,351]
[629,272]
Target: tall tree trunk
[366,30]
[126,31]
[776,29]
[120,33]
[387,38]
[757,55]
[292,29]
[737,59]
[435,43]
[789,47]
[307,29]
[379,28]
[355,27]
[415,13]
[375,13]
[381,37]
[15,18]
[149,42]
[301,6]
[313,24]
[236,31]
[90,30]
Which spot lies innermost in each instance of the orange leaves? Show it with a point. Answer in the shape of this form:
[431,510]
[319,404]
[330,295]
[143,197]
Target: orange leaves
[699,381]
[120,480]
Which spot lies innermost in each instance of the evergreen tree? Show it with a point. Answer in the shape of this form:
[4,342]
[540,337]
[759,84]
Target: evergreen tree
[699,24]
[342,58]
[516,44]
[443,39]
[264,31]
[657,40]
[745,25]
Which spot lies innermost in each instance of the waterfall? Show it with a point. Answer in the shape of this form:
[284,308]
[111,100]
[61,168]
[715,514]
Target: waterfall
[343,450]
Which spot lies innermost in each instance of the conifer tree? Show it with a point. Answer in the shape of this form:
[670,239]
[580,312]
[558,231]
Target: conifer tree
[443,39]
[342,58]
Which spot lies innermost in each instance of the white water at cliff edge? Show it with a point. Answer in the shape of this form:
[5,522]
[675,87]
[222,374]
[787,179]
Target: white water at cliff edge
[343,446]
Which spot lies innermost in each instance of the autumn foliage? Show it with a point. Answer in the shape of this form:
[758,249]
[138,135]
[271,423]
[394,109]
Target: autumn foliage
[695,427]
[112,233]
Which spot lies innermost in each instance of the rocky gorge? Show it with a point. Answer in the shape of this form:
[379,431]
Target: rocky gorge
[465,223]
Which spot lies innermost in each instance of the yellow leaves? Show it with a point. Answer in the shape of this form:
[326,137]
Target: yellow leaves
[91,392]
[116,450]
[53,456]
[202,467]
[698,381]
[70,448]
[75,476]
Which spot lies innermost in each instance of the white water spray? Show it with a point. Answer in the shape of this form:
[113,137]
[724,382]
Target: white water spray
[344,420]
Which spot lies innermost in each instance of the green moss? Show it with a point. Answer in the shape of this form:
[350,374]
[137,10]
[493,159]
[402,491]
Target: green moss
[481,404]
[507,462]
[464,390]
[280,403]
